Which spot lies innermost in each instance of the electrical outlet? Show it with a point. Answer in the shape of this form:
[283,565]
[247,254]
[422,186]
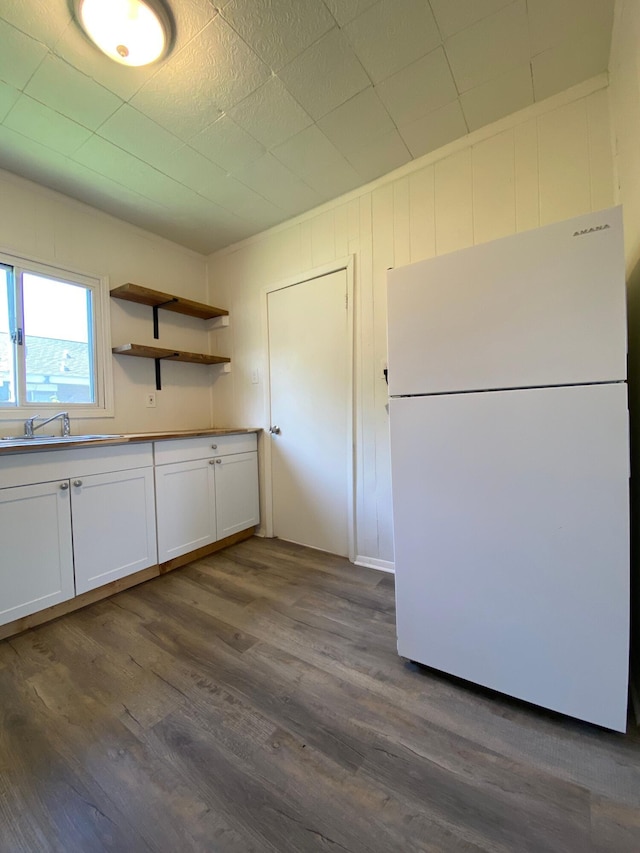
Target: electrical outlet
[150,400]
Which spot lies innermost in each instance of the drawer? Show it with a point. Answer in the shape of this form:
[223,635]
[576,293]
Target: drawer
[34,466]
[173,450]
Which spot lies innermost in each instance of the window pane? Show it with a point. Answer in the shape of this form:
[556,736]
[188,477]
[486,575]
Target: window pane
[7,349]
[58,341]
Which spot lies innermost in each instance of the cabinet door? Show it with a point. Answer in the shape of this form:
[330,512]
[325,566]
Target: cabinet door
[114,531]
[36,568]
[186,498]
[237,493]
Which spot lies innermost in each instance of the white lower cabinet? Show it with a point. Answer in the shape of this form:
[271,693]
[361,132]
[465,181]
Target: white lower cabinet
[186,506]
[77,519]
[236,493]
[71,521]
[36,559]
[206,489]
[114,530]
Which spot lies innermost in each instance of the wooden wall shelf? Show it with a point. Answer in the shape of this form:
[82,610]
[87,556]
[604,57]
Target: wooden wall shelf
[159,354]
[142,351]
[156,299]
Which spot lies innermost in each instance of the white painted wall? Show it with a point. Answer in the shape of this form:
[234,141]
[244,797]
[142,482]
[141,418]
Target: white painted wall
[44,225]
[547,163]
[624,68]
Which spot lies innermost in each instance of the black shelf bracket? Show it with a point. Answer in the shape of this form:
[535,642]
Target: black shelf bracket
[156,333]
[157,363]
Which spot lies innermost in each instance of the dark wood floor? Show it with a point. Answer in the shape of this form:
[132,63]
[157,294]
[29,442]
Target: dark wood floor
[254,701]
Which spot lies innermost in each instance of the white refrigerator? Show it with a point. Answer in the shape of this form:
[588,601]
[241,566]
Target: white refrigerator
[510,465]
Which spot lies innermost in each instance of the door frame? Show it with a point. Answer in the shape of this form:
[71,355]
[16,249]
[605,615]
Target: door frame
[346,264]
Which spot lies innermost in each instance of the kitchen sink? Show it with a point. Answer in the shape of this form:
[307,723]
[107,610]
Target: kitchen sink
[53,439]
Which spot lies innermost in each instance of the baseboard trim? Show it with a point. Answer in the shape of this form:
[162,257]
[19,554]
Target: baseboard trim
[373,563]
[86,598]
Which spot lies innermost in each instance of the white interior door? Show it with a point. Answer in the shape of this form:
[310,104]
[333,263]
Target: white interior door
[310,382]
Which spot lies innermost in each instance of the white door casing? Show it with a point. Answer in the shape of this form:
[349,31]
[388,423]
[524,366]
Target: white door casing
[308,324]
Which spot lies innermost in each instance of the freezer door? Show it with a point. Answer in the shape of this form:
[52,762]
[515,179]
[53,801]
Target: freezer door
[511,524]
[545,307]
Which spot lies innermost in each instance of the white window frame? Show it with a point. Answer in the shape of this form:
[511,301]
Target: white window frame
[103,376]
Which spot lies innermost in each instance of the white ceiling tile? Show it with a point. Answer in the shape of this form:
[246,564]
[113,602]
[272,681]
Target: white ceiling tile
[552,23]
[20,55]
[391,34]
[307,151]
[434,130]
[326,75]
[455,16]
[72,93]
[499,97]
[37,163]
[278,30]
[316,160]
[41,19]
[192,169]
[227,144]
[353,124]
[46,126]
[419,88]
[234,196]
[271,114]
[569,63]
[382,155]
[101,156]
[335,180]
[210,63]
[490,48]
[346,10]
[259,219]
[139,135]
[273,181]
[247,204]
[8,97]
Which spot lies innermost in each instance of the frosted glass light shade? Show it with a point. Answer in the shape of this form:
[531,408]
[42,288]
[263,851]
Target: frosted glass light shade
[131,32]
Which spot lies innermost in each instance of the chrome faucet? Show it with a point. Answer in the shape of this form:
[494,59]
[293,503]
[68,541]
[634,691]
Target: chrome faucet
[30,427]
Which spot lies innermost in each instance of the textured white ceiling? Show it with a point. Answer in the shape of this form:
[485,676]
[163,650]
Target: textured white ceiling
[266,108]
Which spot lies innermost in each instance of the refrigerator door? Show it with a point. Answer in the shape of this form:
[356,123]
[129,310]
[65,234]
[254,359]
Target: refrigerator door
[512,543]
[544,307]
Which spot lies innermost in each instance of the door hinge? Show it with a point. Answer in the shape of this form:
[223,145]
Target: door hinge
[16,337]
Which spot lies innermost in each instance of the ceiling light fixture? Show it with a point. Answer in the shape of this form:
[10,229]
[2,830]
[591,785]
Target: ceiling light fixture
[131,32]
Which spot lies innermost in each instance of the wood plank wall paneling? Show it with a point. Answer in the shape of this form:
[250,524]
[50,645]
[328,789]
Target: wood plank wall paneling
[536,167]
[565,173]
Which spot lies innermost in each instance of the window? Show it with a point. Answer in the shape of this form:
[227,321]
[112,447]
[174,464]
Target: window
[51,339]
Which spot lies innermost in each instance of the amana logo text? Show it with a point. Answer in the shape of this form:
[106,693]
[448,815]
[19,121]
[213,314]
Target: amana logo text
[591,230]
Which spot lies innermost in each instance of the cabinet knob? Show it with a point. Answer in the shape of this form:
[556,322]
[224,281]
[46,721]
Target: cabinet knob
[77,482]
[218,461]
[212,462]
[214,446]
[274,430]
[64,486]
